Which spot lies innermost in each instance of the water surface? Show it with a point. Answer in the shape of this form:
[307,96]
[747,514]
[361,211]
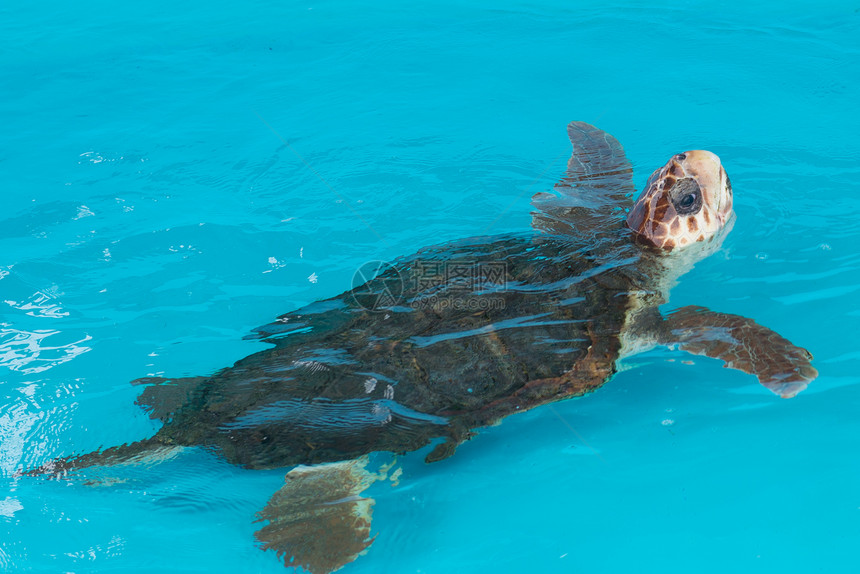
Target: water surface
[178,175]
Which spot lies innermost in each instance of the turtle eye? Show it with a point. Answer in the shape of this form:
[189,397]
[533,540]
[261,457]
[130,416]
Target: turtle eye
[686,196]
[687,201]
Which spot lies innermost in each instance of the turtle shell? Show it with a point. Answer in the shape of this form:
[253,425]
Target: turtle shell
[476,330]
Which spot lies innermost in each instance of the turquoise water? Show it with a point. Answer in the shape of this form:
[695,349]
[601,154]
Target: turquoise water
[153,216]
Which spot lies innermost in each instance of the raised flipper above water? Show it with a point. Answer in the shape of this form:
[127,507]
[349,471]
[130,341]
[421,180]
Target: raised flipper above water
[741,344]
[318,521]
[592,196]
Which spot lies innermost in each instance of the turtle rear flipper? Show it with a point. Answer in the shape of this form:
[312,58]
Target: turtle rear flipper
[163,397]
[742,344]
[152,450]
[318,521]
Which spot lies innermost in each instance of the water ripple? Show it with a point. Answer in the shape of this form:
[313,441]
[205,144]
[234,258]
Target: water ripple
[40,304]
[9,506]
[26,352]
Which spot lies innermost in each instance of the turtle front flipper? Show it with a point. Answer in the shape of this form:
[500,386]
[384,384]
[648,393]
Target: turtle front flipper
[318,521]
[742,344]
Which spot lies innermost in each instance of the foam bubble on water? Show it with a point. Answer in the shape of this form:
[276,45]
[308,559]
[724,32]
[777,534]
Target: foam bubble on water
[382,413]
[187,250]
[83,211]
[126,208]
[369,385]
[313,277]
[275,263]
[92,157]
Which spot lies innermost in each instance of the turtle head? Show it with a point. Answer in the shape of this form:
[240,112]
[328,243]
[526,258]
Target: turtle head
[685,202]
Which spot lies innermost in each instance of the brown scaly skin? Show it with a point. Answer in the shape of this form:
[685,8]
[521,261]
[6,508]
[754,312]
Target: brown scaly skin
[686,201]
[342,381]
[741,344]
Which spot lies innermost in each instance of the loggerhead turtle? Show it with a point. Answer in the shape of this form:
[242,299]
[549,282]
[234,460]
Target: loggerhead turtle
[480,329]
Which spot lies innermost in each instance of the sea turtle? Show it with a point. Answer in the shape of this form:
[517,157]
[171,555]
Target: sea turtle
[459,336]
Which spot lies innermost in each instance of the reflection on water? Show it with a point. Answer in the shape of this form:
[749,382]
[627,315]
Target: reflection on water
[40,304]
[322,413]
[9,506]
[27,351]
[16,423]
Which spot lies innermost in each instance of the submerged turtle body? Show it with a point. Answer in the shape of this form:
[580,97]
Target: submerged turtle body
[347,380]
[498,325]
